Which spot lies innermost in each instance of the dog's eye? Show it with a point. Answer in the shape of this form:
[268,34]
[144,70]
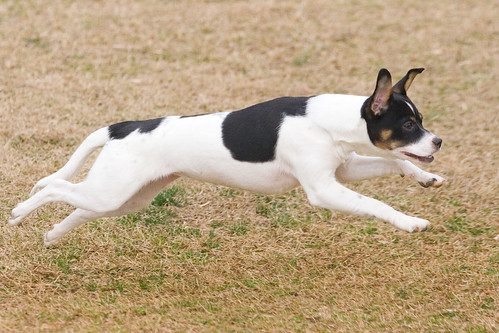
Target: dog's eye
[409,125]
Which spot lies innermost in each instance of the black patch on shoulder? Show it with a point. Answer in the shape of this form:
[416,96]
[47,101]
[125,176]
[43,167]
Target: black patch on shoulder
[251,134]
[121,130]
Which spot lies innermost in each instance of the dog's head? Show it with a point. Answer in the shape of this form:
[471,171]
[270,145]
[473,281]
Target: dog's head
[394,123]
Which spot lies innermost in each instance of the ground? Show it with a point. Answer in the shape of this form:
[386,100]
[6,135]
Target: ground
[209,258]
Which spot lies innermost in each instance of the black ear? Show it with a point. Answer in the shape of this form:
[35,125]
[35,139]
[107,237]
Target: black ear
[382,93]
[403,85]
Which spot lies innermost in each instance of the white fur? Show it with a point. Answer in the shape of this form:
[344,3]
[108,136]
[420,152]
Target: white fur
[410,107]
[315,151]
[423,147]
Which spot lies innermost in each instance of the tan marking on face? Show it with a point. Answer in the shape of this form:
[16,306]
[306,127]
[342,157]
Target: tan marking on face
[382,144]
[388,144]
[395,144]
[386,134]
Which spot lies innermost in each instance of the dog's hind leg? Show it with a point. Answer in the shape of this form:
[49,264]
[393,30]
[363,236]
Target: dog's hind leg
[93,141]
[115,177]
[76,218]
[82,195]
[358,167]
[138,201]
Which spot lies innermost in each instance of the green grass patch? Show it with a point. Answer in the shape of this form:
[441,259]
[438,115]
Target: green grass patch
[488,303]
[494,259]
[149,282]
[239,229]
[67,259]
[477,329]
[370,228]
[115,285]
[212,242]
[140,311]
[460,223]
[229,192]
[301,59]
[197,257]
[172,196]
[92,286]
[153,215]
[402,294]
[280,212]
[217,224]
[456,224]
[189,232]
[250,283]
[441,317]
[285,220]
[37,42]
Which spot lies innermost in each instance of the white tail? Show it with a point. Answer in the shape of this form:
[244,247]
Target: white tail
[95,140]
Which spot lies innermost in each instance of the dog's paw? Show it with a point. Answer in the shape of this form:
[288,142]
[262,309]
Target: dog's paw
[428,179]
[49,239]
[411,224]
[13,220]
[16,216]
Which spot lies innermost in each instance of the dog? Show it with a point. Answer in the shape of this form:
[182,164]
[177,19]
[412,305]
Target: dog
[317,142]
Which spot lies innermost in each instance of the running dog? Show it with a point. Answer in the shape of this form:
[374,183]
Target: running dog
[316,142]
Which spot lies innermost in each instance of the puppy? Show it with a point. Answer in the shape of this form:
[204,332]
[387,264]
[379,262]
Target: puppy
[316,142]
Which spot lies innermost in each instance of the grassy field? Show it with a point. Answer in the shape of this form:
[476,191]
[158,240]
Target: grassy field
[209,258]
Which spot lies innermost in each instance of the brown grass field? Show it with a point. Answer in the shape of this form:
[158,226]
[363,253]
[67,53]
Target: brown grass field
[206,258]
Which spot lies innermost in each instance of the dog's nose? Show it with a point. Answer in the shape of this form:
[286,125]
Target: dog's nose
[437,141]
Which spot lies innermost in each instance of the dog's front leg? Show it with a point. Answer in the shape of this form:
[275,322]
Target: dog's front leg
[424,178]
[324,191]
[358,167]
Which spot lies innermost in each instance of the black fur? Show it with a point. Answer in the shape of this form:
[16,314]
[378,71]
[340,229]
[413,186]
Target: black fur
[121,130]
[251,134]
[393,119]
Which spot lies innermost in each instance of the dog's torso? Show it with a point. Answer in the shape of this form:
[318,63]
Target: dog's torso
[227,148]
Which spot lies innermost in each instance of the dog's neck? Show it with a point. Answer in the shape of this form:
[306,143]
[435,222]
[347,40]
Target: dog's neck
[340,116]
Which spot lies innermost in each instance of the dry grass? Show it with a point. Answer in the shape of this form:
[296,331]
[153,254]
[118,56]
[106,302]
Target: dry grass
[228,260]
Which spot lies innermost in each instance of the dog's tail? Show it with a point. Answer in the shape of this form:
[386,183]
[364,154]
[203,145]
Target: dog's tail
[95,140]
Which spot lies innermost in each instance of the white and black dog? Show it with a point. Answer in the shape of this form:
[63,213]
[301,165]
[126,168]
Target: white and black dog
[269,147]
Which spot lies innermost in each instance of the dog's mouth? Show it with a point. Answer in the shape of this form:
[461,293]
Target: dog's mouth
[424,159]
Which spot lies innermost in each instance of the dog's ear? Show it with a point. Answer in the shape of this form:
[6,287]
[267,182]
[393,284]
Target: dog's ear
[403,85]
[382,93]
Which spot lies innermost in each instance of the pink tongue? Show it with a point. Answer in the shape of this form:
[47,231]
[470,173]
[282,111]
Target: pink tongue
[426,159]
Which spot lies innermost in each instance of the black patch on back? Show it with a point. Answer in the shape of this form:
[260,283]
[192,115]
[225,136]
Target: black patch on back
[251,134]
[121,130]
[393,119]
